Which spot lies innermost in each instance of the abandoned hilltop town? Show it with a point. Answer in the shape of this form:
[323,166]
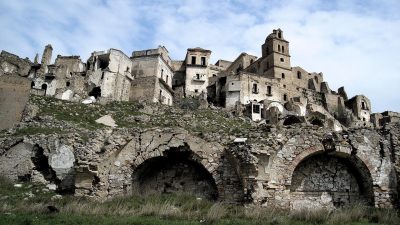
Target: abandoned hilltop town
[296,142]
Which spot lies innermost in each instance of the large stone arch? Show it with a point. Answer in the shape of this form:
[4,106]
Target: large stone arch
[361,153]
[330,179]
[178,170]
[116,172]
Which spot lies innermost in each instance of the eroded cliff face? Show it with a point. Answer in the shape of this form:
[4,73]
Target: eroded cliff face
[291,167]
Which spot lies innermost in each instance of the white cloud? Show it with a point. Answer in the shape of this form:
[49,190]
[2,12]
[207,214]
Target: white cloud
[354,43]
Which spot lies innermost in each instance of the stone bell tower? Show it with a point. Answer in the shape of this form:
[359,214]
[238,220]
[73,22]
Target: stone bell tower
[275,54]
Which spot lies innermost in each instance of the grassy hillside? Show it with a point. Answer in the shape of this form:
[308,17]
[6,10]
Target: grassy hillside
[34,204]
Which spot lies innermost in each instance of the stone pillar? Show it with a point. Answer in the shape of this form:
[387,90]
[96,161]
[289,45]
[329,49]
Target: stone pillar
[46,59]
[383,198]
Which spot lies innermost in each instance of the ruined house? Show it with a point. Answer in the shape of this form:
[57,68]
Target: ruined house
[153,72]
[109,75]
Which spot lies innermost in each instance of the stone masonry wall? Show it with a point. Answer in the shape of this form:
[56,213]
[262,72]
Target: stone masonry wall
[290,167]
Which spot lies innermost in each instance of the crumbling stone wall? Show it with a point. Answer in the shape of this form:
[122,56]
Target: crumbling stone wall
[292,167]
[14,93]
[12,64]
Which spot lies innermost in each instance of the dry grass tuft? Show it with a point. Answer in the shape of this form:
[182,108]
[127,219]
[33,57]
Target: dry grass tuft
[318,216]
[216,212]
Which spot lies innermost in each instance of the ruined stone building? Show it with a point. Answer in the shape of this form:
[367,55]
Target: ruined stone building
[304,146]
[153,74]
[266,88]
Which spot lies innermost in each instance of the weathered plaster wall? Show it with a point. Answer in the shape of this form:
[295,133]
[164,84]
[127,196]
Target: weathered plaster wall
[196,80]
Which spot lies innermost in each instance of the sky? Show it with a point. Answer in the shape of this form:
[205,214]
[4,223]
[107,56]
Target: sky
[354,43]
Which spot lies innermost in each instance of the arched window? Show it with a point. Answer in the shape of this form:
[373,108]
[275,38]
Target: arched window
[283,49]
[269,90]
[166,80]
[162,73]
[298,75]
[283,76]
[285,97]
[279,48]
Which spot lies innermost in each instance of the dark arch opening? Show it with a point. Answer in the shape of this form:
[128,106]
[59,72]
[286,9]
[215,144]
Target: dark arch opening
[95,92]
[44,87]
[32,84]
[175,172]
[345,179]
[317,122]
[290,120]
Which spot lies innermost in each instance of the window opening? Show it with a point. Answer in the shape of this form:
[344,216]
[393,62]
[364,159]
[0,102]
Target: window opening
[255,91]
[256,109]
[298,75]
[203,61]
[363,105]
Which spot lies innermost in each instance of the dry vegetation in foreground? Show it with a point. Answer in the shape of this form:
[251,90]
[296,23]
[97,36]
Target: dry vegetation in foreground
[30,203]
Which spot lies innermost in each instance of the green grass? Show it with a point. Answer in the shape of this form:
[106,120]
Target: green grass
[37,130]
[198,121]
[164,209]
